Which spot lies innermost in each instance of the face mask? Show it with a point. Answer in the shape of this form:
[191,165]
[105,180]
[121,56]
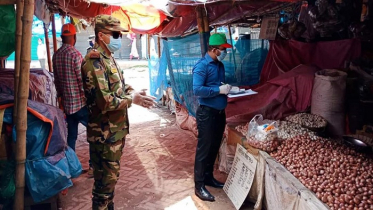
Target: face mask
[114,45]
[222,55]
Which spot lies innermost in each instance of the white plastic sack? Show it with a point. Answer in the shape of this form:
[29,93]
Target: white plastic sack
[328,99]
[262,134]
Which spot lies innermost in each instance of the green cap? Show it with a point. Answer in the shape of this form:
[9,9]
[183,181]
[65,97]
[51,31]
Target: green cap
[108,23]
[219,39]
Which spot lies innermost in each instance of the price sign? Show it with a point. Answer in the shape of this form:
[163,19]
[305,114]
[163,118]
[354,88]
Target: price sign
[240,177]
[268,29]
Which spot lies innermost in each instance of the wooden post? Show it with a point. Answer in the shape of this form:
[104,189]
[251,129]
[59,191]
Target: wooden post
[159,46]
[202,23]
[17,61]
[206,30]
[54,33]
[23,93]
[47,46]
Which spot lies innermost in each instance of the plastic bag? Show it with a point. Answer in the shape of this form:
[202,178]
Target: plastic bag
[262,134]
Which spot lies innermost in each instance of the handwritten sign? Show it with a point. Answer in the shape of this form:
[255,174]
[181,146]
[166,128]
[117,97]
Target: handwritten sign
[268,29]
[240,177]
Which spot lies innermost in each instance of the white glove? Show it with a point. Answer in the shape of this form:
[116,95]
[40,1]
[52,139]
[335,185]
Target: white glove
[224,89]
[143,100]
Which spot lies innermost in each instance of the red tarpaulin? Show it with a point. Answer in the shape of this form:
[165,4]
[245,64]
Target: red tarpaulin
[285,55]
[281,91]
[289,93]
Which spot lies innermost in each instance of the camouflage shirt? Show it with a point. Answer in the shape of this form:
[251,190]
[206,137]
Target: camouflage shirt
[108,98]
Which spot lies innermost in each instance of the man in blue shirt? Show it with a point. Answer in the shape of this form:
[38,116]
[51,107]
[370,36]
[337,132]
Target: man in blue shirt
[210,88]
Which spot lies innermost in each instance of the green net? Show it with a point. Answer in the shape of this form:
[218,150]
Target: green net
[7,183]
[7,30]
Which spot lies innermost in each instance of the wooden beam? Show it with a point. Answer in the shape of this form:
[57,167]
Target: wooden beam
[23,93]
[7,2]
[54,33]
[47,46]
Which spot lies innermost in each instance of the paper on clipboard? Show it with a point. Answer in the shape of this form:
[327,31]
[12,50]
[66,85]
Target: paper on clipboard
[246,93]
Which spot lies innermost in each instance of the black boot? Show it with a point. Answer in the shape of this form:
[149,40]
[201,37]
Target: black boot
[110,206]
[212,182]
[202,193]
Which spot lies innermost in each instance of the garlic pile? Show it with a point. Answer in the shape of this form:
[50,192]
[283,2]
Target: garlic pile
[285,131]
[340,177]
[307,120]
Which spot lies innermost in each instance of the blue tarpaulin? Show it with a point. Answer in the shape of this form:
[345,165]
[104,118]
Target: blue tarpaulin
[50,163]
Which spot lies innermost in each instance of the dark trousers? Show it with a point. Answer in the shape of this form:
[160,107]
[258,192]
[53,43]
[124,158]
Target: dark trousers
[73,121]
[210,125]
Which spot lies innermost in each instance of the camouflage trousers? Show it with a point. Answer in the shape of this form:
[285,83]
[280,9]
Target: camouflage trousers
[106,164]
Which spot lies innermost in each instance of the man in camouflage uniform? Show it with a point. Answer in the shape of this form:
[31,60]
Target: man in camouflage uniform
[108,98]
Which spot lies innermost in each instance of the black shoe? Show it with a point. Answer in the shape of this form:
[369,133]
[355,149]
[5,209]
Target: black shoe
[110,206]
[203,193]
[212,182]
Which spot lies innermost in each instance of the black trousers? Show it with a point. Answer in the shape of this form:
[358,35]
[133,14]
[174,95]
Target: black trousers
[210,125]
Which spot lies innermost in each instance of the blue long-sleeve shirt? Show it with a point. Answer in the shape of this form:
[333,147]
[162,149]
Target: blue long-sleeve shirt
[207,77]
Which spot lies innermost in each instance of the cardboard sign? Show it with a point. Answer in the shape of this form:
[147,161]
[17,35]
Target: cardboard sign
[240,177]
[268,30]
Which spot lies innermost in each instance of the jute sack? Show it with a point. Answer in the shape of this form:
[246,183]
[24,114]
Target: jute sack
[328,99]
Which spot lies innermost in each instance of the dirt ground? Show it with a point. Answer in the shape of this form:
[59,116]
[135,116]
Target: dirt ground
[157,164]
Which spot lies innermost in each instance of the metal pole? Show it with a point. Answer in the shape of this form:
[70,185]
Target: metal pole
[54,33]
[47,46]
[159,46]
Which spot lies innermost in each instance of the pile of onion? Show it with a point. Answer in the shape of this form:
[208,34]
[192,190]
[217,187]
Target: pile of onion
[339,176]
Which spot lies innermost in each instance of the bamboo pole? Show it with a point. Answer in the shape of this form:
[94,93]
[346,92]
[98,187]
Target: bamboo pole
[17,62]
[206,29]
[47,46]
[23,93]
[54,33]
[201,30]
[7,2]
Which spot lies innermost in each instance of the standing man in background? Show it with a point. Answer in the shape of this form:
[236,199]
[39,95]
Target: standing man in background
[68,80]
[42,53]
[209,87]
[108,98]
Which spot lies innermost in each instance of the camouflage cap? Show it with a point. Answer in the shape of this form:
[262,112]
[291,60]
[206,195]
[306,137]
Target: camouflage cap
[108,23]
